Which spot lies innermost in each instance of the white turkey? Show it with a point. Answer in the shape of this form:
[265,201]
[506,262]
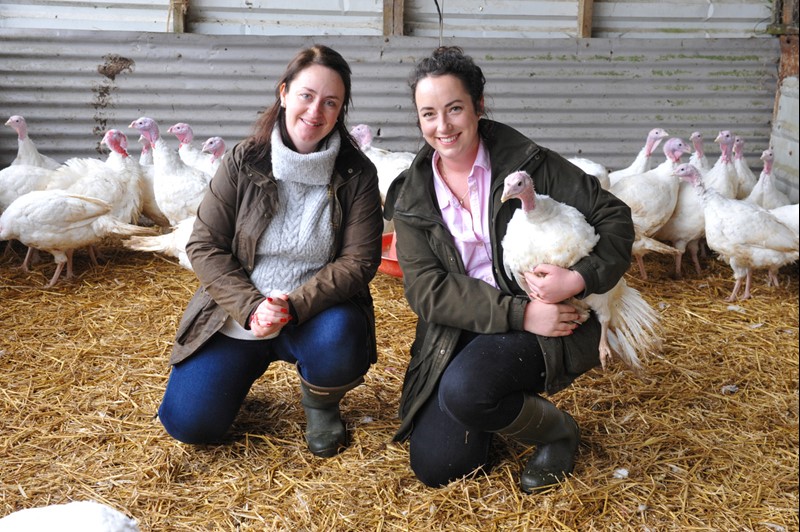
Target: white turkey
[215,147]
[172,244]
[765,193]
[698,157]
[685,228]
[150,206]
[643,162]
[116,181]
[722,176]
[545,231]
[389,163]
[59,222]
[592,168]
[188,150]
[17,180]
[20,179]
[652,196]
[178,188]
[745,179]
[75,516]
[27,153]
[742,233]
[789,215]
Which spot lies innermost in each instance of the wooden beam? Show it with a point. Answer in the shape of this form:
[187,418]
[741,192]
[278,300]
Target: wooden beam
[393,17]
[585,15]
[176,18]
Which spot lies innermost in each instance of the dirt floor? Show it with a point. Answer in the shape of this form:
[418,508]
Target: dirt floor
[707,439]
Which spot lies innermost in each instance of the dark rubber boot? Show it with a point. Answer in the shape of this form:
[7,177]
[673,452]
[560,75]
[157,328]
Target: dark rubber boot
[556,436]
[325,431]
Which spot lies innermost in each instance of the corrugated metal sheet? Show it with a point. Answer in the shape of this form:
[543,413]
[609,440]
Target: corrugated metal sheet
[595,98]
[101,15]
[298,17]
[682,19]
[536,19]
[784,138]
[532,19]
[529,19]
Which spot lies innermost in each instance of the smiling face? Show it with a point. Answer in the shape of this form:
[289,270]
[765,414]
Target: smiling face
[312,102]
[447,118]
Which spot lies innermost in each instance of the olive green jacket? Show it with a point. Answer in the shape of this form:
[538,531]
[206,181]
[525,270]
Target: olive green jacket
[448,301]
[234,212]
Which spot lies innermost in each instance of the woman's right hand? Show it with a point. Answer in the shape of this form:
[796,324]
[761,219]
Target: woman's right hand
[270,316]
[551,319]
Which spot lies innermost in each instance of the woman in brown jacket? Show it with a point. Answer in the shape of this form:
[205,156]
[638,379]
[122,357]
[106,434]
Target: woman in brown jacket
[286,241]
[485,351]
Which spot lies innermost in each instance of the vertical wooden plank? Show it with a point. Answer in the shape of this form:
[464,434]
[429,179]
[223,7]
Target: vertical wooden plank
[176,21]
[585,14]
[393,17]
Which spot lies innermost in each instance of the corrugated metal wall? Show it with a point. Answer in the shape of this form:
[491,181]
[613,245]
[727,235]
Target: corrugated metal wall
[298,17]
[595,98]
[557,18]
[102,15]
[531,19]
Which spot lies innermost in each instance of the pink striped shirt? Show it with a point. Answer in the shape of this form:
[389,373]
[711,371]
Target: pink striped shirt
[470,233]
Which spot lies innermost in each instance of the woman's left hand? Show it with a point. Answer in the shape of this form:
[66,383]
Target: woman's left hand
[553,284]
[271,315]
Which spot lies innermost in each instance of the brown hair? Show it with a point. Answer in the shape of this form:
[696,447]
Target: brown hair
[318,54]
[451,60]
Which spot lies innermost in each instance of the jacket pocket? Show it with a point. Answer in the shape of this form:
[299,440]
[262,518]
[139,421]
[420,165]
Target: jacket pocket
[198,305]
[581,349]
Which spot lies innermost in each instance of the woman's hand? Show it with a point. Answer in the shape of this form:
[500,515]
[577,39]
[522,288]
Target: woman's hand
[551,319]
[553,284]
[270,316]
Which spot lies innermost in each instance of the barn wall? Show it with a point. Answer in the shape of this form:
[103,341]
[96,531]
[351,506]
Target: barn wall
[594,98]
[529,19]
[612,19]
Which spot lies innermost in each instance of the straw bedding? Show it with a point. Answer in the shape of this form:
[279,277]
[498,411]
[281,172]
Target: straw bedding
[707,439]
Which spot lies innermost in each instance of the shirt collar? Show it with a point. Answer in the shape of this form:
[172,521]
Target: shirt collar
[443,193]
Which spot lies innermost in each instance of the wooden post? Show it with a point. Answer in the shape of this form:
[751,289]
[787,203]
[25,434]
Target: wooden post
[177,16]
[585,14]
[393,17]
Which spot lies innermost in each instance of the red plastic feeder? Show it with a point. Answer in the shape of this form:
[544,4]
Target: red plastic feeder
[389,264]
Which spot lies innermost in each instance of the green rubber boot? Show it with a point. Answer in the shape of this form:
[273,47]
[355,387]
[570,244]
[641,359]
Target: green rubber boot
[325,431]
[556,436]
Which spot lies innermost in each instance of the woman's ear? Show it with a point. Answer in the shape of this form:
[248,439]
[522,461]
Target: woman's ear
[480,108]
[282,92]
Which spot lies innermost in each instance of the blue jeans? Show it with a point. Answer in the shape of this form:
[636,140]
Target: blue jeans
[205,391]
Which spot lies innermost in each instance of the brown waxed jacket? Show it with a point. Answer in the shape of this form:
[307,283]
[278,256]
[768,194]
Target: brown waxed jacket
[448,301]
[236,209]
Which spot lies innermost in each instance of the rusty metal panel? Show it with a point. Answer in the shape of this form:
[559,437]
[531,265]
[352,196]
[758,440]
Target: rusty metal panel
[594,98]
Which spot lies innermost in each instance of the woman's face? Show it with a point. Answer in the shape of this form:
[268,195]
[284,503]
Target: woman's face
[447,118]
[313,102]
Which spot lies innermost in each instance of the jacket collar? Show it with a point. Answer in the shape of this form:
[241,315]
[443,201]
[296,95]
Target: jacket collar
[413,193]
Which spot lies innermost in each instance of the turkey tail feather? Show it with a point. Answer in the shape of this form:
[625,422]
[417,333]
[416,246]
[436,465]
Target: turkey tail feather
[634,328]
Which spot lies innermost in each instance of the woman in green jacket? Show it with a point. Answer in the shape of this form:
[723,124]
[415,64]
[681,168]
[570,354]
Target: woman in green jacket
[286,241]
[485,351]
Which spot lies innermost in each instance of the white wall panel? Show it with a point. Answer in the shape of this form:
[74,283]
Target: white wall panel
[101,15]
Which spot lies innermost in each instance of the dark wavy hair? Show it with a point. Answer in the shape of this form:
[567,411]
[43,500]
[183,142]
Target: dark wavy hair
[318,54]
[451,60]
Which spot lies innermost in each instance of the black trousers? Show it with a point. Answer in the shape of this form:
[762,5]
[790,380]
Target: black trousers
[480,391]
